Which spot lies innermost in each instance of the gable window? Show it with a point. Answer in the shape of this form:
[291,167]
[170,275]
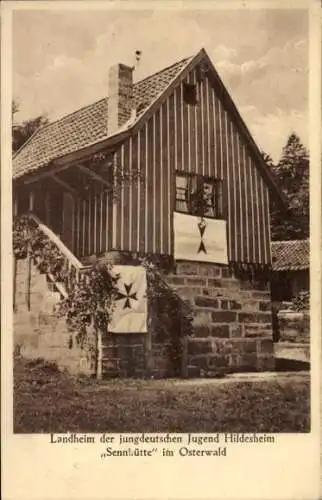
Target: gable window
[199,195]
[190,93]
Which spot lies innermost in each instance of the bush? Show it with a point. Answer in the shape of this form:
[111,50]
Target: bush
[301,302]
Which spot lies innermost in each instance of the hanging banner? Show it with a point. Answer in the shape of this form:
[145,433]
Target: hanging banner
[130,310]
[203,240]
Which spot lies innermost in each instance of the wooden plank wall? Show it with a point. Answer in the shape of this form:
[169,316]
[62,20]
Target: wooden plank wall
[201,139]
[93,224]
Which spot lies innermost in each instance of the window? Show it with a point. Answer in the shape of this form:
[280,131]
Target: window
[198,195]
[190,93]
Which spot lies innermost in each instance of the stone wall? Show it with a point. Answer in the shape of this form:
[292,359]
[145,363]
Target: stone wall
[38,332]
[145,355]
[294,326]
[232,328]
[232,325]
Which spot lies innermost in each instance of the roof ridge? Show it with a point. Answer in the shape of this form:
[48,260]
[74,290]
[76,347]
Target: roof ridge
[185,59]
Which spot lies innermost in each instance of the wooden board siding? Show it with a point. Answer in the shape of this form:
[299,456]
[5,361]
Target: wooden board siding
[201,139]
[93,224]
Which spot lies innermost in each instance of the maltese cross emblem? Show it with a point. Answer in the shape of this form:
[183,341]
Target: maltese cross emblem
[128,296]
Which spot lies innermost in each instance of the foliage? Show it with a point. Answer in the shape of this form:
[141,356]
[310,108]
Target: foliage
[292,175]
[23,131]
[14,108]
[109,166]
[171,316]
[90,303]
[28,239]
[200,201]
[301,302]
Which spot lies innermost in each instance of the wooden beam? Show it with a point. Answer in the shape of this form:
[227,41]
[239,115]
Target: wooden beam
[94,175]
[47,208]
[63,184]
[44,173]
[88,151]
[31,201]
[15,205]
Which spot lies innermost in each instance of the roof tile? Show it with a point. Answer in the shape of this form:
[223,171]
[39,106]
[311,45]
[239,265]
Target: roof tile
[85,126]
[290,255]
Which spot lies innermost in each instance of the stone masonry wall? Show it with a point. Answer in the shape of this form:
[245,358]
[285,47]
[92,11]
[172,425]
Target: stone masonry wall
[232,325]
[140,355]
[38,332]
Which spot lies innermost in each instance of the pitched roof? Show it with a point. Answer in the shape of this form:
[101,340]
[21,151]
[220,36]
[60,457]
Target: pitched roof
[87,128]
[87,125]
[290,255]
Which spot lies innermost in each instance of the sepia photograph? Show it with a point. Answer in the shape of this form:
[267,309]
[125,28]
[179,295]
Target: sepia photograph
[161,222]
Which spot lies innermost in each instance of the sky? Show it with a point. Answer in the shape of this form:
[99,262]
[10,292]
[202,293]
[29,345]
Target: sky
[61,60]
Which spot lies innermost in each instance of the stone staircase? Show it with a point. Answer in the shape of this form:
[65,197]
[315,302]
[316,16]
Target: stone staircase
[232,321]
[38,330]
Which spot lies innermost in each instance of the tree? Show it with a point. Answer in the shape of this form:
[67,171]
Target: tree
[22,131]
[292,175]
[267,159]
[14,108]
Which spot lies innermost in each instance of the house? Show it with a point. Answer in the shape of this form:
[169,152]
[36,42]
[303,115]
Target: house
[291,269]
[164,168]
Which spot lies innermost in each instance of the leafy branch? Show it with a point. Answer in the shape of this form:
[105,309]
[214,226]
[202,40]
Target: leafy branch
[89,305]
[110,167]
[29,240]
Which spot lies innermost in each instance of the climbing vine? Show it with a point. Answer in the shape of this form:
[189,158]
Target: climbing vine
[301,302]
[170,315]
[109,166]
[29,240]
[89,305]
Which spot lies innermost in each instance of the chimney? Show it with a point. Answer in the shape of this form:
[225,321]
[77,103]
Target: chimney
[120,97]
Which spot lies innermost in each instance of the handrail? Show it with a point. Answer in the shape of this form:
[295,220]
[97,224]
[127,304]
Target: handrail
[58,285]
[57,241]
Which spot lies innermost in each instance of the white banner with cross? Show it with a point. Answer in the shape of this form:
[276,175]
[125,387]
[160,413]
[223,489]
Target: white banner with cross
[200,239]
[130,311]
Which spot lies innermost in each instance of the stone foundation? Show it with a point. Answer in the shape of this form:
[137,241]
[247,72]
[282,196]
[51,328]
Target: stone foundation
[232,324]
[231,329]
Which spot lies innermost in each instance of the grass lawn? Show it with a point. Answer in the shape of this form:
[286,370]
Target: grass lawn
[46,400]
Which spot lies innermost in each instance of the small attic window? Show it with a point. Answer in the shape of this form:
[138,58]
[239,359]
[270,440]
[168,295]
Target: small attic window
[190,93]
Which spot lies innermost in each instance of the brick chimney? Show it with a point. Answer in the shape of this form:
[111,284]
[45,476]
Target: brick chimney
[120,97]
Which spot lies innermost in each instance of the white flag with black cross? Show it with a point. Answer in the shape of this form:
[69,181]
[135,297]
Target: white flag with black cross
[200,239]
[130,309]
